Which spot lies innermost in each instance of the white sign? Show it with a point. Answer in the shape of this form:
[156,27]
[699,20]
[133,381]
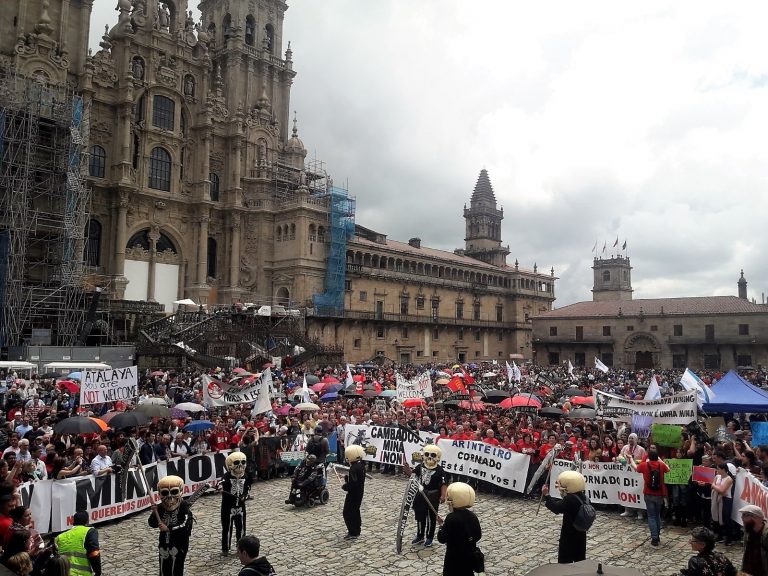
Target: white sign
[486,462]
[607,482]
[256,392]
[679,409]
[419,387]
[99,386]
[387,444]
[748,490]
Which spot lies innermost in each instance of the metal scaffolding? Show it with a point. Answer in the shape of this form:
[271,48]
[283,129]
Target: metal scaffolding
[45,205]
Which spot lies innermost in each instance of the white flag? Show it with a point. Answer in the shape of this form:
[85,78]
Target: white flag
[516,372]
[262,403]
[693,383]
[653,392]
[570,369]
[510,373]
[305,390]
[350,381]
[600,366]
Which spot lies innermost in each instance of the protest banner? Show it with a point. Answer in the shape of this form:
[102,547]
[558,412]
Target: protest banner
[100,386]
[714,424]
[748,490]
[485,462]
[677,409]
[419,387]
[244,391]
[680,470]
[666,435]
[101,498]
[607,482]
[641,425]
[759,433]
[387,444]
[37,497]
[703,474]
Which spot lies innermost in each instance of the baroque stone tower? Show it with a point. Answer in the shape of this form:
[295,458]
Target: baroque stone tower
[613,279]
[742,284]
[483,224]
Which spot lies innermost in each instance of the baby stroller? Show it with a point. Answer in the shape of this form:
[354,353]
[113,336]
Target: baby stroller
[308,487]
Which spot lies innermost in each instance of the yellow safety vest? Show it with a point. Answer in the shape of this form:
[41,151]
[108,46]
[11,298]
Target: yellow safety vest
[72,545]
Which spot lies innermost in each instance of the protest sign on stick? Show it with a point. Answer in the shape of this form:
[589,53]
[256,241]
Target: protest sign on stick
[679,471]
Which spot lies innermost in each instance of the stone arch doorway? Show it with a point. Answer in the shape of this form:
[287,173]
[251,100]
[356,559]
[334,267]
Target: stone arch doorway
[642,351]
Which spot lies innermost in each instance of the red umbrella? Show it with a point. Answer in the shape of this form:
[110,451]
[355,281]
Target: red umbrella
[519,401]
[358,378]
[317,387]
[330,380]
[476,406]
[69,385]
[582,400]
[414,402]
[546,390]
[239,370]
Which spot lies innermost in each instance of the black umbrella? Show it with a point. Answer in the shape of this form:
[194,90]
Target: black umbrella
[152,409]
[353,395]
[582,413]
[551,411]
[130,419]
[496,396]
[369,394]
[50,375]
[451,404]
[576,392]
[77,425]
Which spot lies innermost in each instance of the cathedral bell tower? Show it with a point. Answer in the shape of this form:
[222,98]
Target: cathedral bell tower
[613,279]
[483,224]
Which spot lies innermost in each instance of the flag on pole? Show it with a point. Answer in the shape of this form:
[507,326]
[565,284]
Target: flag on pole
[349,381]
[510,373]
[263,403]
[594,248]
[605,245]
[600,366]
[624,246]
[570,369]
[516,372]
[693,383]
[305,391]
[653,392]
[616,243]
[456,384]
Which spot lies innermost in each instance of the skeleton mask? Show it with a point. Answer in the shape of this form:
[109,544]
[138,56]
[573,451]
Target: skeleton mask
[354,453]
[432,456]
[170,489]
[460,495]
[236,464]
[570,482]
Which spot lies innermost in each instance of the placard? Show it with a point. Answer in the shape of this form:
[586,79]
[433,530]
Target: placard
[680,470]
[419,387]
[759,433]
[607,482]
[387,444]
[485,462]
[703,474]
[666,435]
[100,386]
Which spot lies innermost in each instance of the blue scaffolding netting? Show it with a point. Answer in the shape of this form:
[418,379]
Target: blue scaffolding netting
[341,217]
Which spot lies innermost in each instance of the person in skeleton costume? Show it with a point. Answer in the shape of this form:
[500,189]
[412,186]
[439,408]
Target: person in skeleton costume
[354,486]
[573,542]
[460,532]
[174,518]
[235,486]
[433,486]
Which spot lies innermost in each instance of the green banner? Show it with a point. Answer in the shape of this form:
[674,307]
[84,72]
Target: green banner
[679,471]
[666,435]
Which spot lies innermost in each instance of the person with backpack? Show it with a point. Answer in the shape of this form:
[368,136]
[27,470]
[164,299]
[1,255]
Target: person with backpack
[578,515]
[654,489]
[248,548]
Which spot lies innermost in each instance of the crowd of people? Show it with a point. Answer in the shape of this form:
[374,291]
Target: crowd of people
[33,451]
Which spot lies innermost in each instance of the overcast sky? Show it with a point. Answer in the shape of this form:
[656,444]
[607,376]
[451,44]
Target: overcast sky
[594,119]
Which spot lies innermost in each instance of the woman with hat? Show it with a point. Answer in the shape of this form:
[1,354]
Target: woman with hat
[707,562]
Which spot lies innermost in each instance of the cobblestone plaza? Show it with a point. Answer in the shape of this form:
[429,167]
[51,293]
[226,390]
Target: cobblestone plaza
[309,541]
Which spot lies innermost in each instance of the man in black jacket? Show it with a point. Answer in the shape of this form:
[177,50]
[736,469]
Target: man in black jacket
[253,565]
[573,543]
[354,486]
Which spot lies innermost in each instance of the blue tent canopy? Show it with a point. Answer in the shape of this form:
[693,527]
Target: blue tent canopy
[734,394]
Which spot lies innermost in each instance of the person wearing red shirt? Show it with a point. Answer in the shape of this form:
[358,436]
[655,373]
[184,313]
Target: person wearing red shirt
[545,448]
[219,439]
[7,503]
[526,445]
[654,490]
[490,437]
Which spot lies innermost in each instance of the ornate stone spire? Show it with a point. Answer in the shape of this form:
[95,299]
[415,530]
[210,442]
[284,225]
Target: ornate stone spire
[289,53]
[44,24]
[483,189]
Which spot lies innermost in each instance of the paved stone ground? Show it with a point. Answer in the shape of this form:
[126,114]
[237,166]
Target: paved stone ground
[309,541]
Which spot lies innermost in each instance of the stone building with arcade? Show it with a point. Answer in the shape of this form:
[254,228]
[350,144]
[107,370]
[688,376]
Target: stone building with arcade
[709,332]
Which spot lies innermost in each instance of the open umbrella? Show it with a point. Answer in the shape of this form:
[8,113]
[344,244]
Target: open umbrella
[190,407]
[75,376]
[69,386]
[330,380]
[351,395]
[520,402]
[358,378]
[388,393]
[199,426]
[312,379]
[370,393]
[581,400]
[329,397]
[103,425]
[284,410]
[333,388]
[551,411]
[490,375]
[317,387]
[496,396]
[576,392]
[77,425]
[153,409]
[239,370]
[154,400]
[475,406]
[49,375]
[582,413]
[442,381]
[583,568]
[178,413]
[307,407]
[414,402]
[130,419]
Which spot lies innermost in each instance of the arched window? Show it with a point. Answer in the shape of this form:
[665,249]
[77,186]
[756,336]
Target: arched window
[211,258]
[160,169]
[226,25]
[93,244]
[279,234]
[163,112]
[141,239]
[321,234]
[606,276]
[214,178]
[97,163]
[312,233]
[250,30]
[283,296]
[293,231]
[269,37]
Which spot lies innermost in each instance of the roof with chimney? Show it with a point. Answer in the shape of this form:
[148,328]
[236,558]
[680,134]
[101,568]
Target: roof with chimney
[697,305]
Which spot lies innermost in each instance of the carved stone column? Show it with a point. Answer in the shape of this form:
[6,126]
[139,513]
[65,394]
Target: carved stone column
[202,251]
[234,257]
[121,230]
[154,236]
